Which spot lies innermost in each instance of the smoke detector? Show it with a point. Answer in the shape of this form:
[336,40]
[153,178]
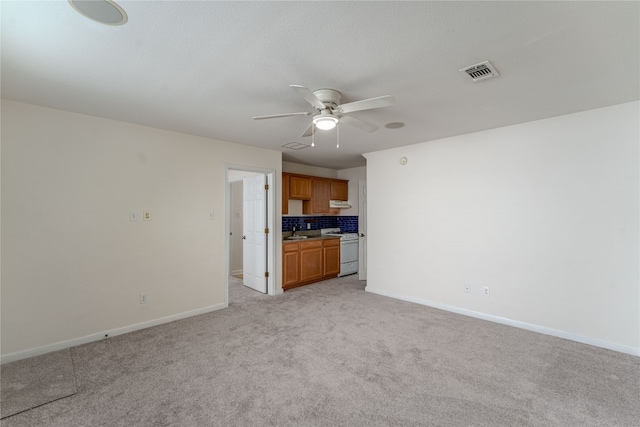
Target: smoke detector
[482,71]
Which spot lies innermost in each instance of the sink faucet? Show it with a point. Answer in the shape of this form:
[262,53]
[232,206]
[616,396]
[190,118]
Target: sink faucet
[294,230]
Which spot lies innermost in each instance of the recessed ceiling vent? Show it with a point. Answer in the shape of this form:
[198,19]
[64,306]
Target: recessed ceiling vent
[295,145]
[482,71]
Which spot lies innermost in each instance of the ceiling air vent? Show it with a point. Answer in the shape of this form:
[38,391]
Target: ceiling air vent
[482,71]
[295,145]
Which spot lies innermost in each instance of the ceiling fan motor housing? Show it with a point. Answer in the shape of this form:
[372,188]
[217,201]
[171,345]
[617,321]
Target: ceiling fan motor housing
[329,97]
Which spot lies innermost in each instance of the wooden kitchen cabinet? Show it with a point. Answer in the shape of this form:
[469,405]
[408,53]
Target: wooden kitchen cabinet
[320,192]
[300,187]
[339,189]
[310,261]
[315,193]
[331,254]
[285,193]
[290,264]
[311,266]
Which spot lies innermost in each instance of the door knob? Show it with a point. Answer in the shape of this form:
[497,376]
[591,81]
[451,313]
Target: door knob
[244,237]
[361,234]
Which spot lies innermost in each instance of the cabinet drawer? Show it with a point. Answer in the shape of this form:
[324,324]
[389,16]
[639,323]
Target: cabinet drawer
[331,242]
[290,247]
[310,245]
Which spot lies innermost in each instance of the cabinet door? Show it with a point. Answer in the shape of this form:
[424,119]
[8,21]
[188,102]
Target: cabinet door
[299,187]
[339,189]
[331,250]
[311,267]
[319,202]
[285,193]
[290,265]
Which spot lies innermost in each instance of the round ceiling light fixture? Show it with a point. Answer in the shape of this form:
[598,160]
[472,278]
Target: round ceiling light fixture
[325,120]
[103,11]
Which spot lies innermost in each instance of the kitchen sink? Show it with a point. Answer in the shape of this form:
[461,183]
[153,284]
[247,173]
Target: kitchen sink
[295,238]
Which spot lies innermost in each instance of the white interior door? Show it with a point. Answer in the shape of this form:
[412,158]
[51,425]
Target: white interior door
[362,230]
[254,238]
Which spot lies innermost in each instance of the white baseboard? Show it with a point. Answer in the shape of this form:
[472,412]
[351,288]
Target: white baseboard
[509,322]
[12,357]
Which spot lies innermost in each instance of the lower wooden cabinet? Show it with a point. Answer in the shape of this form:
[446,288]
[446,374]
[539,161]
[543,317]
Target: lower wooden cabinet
[290,264]
[309,262]
[331,253]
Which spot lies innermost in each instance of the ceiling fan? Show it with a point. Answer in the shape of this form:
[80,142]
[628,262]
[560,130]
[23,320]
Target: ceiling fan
[329,111]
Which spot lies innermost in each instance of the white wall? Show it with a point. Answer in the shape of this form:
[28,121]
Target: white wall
[545,213]
[73,264]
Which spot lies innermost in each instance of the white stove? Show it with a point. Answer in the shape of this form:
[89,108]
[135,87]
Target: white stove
[336,232]
[348,250]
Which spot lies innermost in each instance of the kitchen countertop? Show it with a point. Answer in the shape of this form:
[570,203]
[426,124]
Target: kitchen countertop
[310,236]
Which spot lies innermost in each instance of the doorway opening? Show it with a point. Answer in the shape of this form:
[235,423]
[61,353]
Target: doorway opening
[249,231]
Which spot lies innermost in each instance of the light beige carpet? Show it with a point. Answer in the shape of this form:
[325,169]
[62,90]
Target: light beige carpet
[330,354]
[34,382]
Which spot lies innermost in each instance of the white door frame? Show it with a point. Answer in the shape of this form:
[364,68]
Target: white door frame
[271,224]
[362,230]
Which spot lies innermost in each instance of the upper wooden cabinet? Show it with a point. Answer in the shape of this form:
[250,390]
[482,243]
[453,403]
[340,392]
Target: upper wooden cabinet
[299,187]
[314,191]
[320,192]
[339,189]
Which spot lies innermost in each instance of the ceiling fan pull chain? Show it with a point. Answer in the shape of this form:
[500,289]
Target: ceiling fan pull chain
[338,135]
[313,135]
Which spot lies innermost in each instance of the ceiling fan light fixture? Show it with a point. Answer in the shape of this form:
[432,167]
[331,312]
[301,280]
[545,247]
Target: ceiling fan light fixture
[325,122]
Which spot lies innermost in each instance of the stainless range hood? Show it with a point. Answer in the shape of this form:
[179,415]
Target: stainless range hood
[338,204]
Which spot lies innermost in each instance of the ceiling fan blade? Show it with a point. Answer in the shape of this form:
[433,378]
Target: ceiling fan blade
[309,130]
[308,96]
[274,116]
[367,104]
[359,123]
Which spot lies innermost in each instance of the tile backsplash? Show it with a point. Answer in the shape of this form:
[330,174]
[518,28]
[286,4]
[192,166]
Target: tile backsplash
[347,224]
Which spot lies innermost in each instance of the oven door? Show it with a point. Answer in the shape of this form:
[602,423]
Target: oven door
[348,251]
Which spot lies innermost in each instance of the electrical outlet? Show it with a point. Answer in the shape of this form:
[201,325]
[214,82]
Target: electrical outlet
[133,216]
[485,291]
[143,298]
[466,289]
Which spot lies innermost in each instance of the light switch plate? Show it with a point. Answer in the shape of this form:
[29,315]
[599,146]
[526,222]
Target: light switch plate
[146,215]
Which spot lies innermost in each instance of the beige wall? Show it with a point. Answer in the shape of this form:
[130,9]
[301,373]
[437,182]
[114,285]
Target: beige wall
[545,214]
[309,170]
[353,175]
[73,264]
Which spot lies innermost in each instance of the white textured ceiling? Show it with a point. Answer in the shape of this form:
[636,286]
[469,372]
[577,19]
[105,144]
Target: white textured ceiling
[206,68]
